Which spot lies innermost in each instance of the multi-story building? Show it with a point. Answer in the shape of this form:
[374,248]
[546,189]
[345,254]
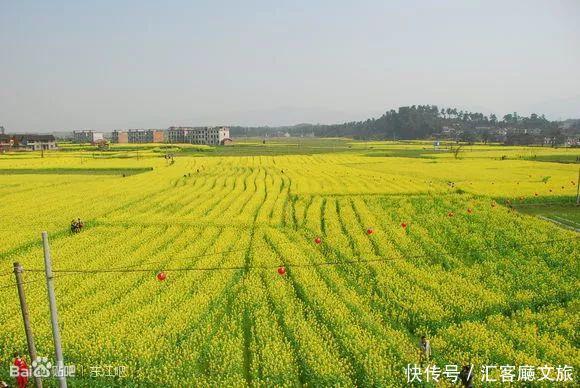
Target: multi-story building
[145,136]
[120,137]
[87,136]
[158,136]
[138,136]
[198,135]
[192,135]
[179,134]
[216,135]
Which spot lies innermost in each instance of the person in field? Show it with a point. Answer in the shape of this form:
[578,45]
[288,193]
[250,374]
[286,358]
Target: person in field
[76,225]
[425,348]
[22,378]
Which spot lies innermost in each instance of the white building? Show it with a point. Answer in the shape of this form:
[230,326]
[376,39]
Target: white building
[34,142]
[198,135]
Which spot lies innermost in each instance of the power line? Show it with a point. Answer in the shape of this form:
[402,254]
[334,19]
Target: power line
[409,257]
[37,280]
[201,255]
[29,281]
[185,257]
[298,265]
[26,282]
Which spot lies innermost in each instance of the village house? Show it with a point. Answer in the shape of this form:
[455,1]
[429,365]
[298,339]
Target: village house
[6,143]
[573,141]
[34,142]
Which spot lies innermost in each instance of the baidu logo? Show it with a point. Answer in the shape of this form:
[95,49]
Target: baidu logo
[41,367]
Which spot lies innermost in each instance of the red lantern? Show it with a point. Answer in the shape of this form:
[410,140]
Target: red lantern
[317,240]
[161,276]
[404,225]
[370,231]
[281,270]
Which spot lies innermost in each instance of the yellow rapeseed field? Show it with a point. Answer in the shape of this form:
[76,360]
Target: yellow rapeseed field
[412,242]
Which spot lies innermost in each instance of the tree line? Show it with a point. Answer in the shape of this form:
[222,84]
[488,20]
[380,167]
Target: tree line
[421,122]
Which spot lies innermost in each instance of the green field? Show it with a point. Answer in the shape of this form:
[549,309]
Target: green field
[474,268]
[566,215]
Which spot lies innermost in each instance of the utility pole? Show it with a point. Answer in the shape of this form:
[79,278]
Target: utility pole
[578,189]
[53,313]
[26,319]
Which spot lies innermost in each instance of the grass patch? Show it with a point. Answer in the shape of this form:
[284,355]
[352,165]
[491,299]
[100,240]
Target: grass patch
[567,214]
[561,158]
[405,153]
[76,171]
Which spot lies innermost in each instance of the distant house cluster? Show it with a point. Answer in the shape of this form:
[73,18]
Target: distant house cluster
[175,135]
[27,142]
[191,135]
[567,137]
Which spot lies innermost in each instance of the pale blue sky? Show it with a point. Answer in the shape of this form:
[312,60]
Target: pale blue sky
[120,64]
